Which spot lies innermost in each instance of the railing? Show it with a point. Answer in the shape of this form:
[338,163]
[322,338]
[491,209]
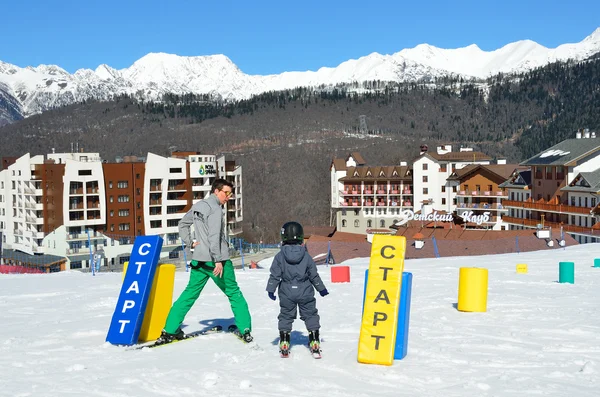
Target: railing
[535,222]
[154,188]
[407,191]
[485,206]
[560,208]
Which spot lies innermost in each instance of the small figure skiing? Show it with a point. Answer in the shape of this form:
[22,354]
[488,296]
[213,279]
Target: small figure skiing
[294,274]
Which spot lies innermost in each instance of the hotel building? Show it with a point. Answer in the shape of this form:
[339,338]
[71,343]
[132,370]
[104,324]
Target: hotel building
[77,206]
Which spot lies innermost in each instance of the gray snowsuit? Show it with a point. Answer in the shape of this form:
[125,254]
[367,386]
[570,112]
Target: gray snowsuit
[295,274]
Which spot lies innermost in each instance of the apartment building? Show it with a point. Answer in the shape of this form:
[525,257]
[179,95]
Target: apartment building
[517,188]
[431,171]
[366,198]
[77,206]
[480,193]
[563,192]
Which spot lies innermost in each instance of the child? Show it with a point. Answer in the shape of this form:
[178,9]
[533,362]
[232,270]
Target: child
[295,274]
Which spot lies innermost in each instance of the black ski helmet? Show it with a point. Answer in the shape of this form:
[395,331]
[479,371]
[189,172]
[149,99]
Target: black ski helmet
[292,233]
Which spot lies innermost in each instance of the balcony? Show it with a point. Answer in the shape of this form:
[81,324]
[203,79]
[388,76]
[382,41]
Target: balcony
[533,223]
[368,203]
[406,191]
[368,191]
[482,206]
[557,208]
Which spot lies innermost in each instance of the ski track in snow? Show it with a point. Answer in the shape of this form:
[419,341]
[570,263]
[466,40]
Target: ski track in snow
[538,337]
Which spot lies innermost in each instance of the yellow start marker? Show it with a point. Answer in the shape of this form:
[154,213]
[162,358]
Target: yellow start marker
[382,298]
[159,302]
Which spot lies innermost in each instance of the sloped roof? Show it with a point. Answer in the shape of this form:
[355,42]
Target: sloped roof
[339,164]
[374,173]
[520,178]
[358,158]
[567,152]
[503,171]
[585,182]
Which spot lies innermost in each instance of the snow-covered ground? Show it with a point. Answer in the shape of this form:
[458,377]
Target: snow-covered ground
[538,337]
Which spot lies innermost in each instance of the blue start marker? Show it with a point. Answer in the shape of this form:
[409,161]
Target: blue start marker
[128,317]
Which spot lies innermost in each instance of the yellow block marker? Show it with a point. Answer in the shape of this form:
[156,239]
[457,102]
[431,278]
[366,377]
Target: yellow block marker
[159,302]
[382,298]
[522,268]
[472,289]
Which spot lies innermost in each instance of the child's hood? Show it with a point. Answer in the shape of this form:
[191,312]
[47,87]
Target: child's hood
[293,254]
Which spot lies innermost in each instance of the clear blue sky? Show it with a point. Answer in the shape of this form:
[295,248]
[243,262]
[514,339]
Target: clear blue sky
[265,37]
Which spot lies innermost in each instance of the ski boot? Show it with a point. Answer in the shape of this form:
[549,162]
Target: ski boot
[166,337]
[314,343]
[245,337]
[284,343]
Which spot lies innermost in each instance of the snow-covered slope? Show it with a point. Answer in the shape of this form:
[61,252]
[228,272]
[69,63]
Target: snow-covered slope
[538,337]
[33,90]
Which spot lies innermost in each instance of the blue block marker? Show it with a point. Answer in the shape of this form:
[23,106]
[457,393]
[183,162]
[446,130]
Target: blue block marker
[129,314]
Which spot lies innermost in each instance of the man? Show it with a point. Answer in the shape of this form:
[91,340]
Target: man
[210,259]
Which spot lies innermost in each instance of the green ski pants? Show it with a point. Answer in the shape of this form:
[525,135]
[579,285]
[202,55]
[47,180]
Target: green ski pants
[200,272]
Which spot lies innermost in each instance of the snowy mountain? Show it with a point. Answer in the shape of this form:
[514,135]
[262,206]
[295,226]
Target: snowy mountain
[31,90]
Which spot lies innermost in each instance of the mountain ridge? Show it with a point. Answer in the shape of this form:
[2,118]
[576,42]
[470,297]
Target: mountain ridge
[43,87]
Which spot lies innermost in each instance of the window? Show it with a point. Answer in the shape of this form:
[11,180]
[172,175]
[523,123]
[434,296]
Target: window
[110,184]
[344,223]
[75,264]
[442,167]
[123,226]
[85,172]
[356,223]
[123,199]
[425,178]
[454,188]
[443,188]
[593,202]
[122,185]
[112,213]
[424,166]
[137,176]
[548,172]
[174,170]
[490,188]
[369,223]
[382,223]
[425,190]
[443,200]
[123,212]
[110,199]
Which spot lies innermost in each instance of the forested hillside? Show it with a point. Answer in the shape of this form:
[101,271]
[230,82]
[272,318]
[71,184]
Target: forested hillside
[285,140]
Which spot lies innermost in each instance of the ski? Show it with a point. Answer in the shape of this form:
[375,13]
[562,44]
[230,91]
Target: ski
[233,329]
[191,335]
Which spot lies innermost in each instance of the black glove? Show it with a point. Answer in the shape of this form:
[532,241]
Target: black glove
[272,295]
[324,292]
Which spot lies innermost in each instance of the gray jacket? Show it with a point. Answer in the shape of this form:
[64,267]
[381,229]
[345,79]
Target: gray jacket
[206,216]
[295,273]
